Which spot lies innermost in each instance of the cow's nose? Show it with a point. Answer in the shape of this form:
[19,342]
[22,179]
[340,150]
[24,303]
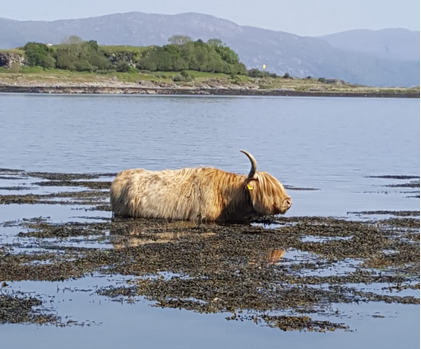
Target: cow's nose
[288,202]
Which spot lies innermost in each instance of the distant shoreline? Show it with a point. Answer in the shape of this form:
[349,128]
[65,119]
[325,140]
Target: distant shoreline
[193,91]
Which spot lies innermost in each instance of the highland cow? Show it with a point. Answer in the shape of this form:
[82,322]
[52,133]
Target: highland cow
[198,194]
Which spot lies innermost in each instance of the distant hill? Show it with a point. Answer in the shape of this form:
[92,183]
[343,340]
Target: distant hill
[398,44]
[281,52]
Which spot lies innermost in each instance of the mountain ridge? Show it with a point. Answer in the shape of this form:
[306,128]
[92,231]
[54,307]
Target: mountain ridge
[281,52]
[389,43]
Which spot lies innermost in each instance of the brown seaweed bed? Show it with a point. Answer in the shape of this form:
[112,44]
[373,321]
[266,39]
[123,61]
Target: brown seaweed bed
[277,272]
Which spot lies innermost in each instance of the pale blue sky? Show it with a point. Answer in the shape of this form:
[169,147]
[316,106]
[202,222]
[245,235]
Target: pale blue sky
[302,17]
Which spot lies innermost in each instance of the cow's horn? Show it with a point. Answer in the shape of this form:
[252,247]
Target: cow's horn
[253,164]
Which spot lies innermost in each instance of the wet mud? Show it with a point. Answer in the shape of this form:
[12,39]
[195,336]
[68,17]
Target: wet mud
[282,272]
[393,213]
[402,183]
[395,177]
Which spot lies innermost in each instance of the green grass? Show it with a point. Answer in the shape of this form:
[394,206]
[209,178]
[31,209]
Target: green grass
[199,74]
[43,72]
[13,50]
[55,76]
[136,76]
[243,78]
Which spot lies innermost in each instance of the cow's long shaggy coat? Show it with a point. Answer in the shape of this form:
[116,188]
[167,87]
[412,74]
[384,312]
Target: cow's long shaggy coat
[207,194]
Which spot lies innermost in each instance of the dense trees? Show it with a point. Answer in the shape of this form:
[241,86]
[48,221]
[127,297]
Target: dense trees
[192,55]
[73,54]
[81,56]
[39,55]
[181,54]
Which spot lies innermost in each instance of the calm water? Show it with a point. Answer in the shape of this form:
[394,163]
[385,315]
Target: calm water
[330,144]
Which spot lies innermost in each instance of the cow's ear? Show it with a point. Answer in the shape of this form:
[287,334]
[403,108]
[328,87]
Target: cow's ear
[251,180]
[250,183]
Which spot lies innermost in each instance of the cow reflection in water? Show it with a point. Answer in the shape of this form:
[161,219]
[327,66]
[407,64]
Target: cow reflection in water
[135,235]
[274,256]
[271,257]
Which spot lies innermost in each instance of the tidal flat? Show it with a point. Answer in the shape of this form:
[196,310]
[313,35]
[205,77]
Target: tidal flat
[286,273]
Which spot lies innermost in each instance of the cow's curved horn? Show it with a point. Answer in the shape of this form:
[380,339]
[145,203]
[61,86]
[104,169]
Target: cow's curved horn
[253,164]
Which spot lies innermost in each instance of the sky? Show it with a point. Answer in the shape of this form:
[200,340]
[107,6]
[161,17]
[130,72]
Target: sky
[301,17]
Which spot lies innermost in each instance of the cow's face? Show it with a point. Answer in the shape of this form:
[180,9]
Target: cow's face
[268,195]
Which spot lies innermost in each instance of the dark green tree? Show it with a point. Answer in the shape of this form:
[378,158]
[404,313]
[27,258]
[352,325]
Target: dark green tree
[192,55]
[39,55]
[80,55]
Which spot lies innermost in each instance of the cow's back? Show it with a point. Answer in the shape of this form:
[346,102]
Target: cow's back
[170,194]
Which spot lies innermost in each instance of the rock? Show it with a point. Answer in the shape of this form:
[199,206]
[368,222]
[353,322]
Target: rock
[10,59]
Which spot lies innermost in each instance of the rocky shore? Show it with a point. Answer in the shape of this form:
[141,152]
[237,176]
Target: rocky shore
[21,84]
[180,90]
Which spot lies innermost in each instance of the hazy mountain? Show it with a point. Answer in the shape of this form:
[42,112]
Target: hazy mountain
[281,52]
[399,44]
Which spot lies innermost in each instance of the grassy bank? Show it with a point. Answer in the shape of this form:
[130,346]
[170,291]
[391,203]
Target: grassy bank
[192,65]
[36,76]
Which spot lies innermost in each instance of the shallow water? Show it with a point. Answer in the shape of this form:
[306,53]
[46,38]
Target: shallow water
[329,144]
[138,324]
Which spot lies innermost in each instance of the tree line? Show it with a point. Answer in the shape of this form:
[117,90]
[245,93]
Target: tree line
[180,54]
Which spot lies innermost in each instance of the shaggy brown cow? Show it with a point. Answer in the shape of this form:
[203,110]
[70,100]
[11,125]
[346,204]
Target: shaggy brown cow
[204,194]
